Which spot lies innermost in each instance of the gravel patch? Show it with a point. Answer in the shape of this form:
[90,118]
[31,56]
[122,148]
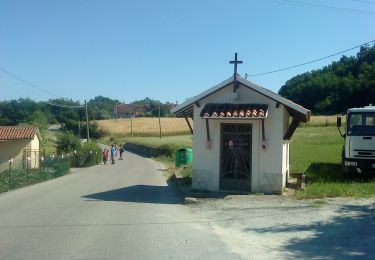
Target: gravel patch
[267,226]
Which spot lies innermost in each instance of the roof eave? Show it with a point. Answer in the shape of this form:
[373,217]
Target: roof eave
[186,108]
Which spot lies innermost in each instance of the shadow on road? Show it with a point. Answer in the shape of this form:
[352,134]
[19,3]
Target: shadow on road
[346,236]
[139,194]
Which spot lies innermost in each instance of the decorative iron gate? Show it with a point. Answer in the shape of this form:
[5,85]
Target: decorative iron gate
[235,162]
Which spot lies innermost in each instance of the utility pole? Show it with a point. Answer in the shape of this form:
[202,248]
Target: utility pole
[79,127]
[131,121]
[116,112]
[159,123]
[87,122]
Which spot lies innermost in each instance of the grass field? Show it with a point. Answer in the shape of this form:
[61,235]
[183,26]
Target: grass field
[322,121]
[316,151]
[315,145]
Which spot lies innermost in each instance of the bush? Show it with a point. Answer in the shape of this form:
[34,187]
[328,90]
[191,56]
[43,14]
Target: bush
[88,154]
[67,142]
[95,131]
[82,155]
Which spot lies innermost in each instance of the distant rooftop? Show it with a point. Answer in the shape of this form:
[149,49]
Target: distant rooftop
[17,133]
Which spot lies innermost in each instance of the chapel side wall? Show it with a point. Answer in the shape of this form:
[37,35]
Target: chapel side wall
[267,164]
[270,171]
[204,162]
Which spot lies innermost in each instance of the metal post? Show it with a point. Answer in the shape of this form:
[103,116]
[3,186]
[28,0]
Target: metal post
[87,123]
[27,170]
[79,127]
[159,123]
[10,172]
[131,121]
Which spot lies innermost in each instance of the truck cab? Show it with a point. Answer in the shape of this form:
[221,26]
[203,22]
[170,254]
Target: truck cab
[358,153]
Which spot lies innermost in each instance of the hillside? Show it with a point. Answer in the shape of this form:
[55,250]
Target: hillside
[349,82]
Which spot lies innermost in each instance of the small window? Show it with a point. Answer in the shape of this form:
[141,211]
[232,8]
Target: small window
[355,119]
[370,120]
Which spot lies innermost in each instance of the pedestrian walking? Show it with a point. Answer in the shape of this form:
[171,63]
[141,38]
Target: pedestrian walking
[121,152]
[105,156]
[113,153]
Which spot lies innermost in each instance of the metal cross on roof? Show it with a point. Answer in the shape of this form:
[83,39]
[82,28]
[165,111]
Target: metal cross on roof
[235,62]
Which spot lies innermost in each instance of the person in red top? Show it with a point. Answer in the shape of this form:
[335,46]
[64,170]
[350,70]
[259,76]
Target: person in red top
[105,156]
[121,151]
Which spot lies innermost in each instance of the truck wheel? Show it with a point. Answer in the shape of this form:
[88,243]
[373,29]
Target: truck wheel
[347,171]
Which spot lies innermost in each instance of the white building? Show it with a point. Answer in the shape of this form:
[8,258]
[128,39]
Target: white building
[241,137]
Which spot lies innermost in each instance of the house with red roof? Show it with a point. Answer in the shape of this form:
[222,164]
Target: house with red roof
[19,145]
[241,137]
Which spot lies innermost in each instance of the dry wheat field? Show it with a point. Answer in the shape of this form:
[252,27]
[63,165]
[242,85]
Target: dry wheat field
[145,126]
[323,120]
[149,126]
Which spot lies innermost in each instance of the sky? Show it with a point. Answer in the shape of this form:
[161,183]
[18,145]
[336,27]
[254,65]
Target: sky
[167,50]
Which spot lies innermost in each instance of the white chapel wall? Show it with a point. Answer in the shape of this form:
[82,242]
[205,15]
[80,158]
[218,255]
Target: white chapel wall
[267,173]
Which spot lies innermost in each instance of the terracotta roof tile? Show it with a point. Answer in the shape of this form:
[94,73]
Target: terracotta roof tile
[17,132]
[214,110]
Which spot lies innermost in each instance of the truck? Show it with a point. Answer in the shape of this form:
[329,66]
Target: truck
[358,151]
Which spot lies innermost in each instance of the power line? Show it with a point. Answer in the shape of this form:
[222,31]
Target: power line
[64,106]
[329,7]
[366,2]
[28,83]
[41,89]
[309,62]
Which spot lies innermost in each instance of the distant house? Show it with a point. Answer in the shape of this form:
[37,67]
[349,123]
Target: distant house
[19,144]
[127,110]
[241,137]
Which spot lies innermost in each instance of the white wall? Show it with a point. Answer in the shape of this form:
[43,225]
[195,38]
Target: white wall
[267,164]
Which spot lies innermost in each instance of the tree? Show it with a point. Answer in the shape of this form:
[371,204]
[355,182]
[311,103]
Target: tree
[349,82]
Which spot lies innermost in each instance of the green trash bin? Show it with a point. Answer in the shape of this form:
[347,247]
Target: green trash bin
[184,156]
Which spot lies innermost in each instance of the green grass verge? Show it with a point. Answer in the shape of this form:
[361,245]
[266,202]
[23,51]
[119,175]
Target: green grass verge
[172,143]
[316,151]
[17,178]
[337,189]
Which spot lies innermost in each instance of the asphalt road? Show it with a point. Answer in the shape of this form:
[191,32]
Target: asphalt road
[121,211]
[129,211]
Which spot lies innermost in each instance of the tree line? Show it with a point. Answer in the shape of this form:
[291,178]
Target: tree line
[67,113]
[349,82]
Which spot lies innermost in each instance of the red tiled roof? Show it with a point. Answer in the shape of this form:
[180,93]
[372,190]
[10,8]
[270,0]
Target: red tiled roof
[213,110]
[17,132]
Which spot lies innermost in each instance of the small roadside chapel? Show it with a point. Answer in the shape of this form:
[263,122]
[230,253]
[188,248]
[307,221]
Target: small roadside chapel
[241,136]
